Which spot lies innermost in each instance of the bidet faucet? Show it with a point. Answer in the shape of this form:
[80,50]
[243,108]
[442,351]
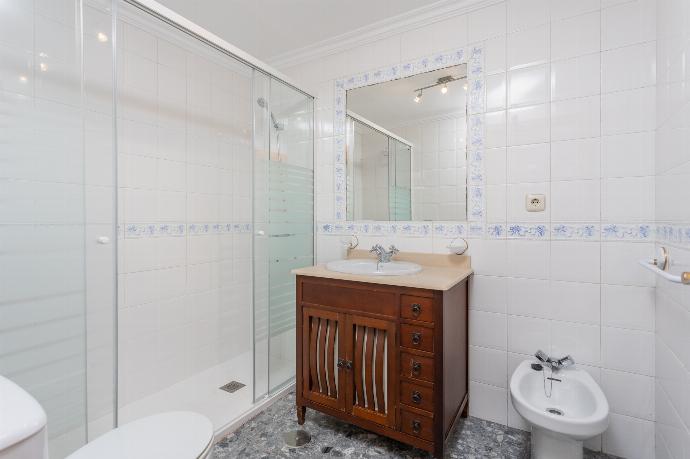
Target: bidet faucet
[382,255]
[554,364]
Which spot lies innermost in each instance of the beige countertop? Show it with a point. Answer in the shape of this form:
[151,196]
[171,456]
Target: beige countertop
[439,272]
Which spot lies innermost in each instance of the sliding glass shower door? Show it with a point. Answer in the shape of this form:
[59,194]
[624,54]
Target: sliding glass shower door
[284,224]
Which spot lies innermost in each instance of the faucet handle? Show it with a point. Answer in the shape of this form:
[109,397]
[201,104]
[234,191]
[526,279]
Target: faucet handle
[393,249]
[376,248]
[566,361]
[542,356]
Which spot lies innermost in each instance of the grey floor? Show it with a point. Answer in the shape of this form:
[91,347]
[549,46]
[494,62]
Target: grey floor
[261,438]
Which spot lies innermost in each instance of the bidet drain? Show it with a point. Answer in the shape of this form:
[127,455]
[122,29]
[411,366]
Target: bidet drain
[555,411]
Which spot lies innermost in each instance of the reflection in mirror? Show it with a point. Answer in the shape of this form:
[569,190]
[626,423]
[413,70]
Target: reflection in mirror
[406,148]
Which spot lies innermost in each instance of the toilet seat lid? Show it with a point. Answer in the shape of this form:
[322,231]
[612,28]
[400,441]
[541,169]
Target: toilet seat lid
[172,435]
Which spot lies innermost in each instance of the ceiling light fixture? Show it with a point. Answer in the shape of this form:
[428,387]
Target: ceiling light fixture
[442,82]
[102,37]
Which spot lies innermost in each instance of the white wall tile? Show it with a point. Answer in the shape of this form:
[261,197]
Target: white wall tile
[575,36]
[527,125]
[488,293]
[575,118]
[575,261]
[628,23]
[628,111]
[529,297]
[488,366]
[619,260]
[528,86]
[627,155]
[579,340]
[561,9]
[527,334]
[628,350]
[575,302]
[576,77]
[627,307]
[575,200]
[489,402]
[529,259]
[528,163]
[528,47]
[488,329]
[575,159]
[496,92]
[627,199]
[629,437]
[630,67]
[487,22]
[523,14]
[629,394]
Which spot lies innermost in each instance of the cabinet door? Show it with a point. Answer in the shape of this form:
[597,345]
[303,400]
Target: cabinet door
[372,354]
[321,351]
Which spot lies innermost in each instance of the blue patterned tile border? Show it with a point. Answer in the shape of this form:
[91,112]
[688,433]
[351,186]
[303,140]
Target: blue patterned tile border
[631,232]
[474,58]
[450,229]
[527,231]
[575,231]
[496,230]
[146,230]
[673,234]
[406,229]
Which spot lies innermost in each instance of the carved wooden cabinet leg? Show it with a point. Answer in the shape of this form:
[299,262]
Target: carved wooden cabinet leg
[301,411]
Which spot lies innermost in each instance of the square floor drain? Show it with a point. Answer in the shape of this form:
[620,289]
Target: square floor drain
[232,386]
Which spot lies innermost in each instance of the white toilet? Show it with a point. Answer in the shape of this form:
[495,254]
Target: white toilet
[172,435]
[575,411]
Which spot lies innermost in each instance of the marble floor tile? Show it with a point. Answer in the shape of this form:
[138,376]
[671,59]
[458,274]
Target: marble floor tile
[261,438]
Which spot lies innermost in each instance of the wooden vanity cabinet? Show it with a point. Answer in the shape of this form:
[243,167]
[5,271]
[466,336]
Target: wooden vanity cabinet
[389,359]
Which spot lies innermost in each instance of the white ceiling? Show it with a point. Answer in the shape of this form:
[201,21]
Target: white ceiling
[391,104]
[268,28]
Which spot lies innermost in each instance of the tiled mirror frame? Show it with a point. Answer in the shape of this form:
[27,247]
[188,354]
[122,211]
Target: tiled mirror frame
[473,56]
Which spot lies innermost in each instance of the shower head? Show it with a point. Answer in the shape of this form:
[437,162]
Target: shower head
[263,104]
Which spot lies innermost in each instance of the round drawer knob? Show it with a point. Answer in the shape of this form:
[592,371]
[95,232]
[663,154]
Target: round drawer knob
[416,397]
[416,368]
[416,338]
[416,309]
[416,426]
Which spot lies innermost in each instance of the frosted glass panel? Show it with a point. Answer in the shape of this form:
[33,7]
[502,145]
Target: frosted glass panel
[57,195]
[290,219]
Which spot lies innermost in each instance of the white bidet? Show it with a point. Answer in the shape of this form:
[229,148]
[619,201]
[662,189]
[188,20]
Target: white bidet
[575,410]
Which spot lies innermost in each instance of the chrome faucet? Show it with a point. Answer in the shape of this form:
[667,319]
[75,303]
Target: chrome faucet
[382,255]
[554,364]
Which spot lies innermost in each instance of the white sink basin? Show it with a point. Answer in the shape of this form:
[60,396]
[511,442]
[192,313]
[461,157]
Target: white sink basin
[369,267]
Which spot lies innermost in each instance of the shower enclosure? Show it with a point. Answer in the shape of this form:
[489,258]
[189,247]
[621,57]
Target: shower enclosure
[155,192]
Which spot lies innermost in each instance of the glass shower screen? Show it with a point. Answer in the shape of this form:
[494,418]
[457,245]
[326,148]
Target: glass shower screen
[284,219]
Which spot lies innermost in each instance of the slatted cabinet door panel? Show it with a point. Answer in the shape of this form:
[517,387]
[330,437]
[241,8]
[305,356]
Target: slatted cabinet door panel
[372,384]
[322,351]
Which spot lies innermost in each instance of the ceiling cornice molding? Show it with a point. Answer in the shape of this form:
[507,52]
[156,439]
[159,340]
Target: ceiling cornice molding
[419,17]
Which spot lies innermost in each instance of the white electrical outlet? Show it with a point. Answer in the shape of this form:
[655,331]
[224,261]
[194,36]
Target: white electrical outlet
[535,202]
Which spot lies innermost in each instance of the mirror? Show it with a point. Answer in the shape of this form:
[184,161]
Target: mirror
[406,155]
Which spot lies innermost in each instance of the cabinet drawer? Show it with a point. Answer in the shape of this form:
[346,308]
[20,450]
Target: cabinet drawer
[417,337]
[417,367]
[418,396]
[417,425]
[417,308]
